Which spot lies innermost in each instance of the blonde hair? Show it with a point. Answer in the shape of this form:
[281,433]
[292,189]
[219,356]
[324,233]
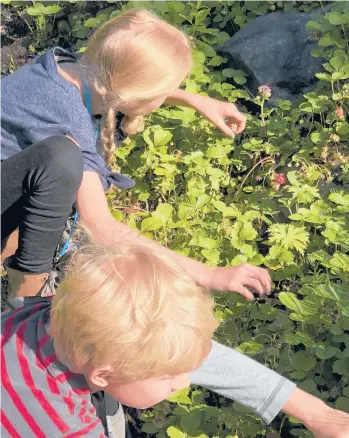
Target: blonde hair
[134,58]
[134,310]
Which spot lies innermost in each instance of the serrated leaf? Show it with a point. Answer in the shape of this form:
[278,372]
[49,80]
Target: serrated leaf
[216,61]
[340,198]
[341,367]
[342,403]
[149,428]
[162,137]
[289,300]
[340,261]
[303,361]
[299,338]
[241,232]
[181,397]
[163,212]
[250,347]
[325,352]
[343,129]
[289,236]
[190,424]
[228,72]
[91,22]
[336,18]
[276,252]
[202,201]
[151,224]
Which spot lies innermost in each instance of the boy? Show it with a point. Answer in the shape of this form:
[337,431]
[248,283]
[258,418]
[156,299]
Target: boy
[129,324]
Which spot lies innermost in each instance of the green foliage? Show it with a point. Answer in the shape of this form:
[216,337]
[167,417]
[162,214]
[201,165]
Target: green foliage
[218,200]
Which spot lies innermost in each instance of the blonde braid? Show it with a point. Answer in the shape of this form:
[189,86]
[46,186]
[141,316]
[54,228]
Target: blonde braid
[129,125]
[132,125]
[108,127]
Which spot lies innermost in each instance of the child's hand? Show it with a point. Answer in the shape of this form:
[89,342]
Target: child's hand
[224,115]
[243,279]
[333,424]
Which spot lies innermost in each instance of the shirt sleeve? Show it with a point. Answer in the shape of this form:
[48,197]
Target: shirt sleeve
[242,379]
[93,162]
[93,430]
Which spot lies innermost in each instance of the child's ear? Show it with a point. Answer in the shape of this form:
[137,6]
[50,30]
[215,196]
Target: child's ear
[101,376]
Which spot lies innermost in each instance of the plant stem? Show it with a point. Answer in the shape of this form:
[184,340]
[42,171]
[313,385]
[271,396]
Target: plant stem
[264,160]
[262,112]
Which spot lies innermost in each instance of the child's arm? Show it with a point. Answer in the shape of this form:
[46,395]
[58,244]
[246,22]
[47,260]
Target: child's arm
[240,378]
[223,114]
[320,419]
[94,213]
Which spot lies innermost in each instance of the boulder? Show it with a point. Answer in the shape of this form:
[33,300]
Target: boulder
[274,50]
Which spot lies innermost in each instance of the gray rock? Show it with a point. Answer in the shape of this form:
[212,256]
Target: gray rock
[275,50]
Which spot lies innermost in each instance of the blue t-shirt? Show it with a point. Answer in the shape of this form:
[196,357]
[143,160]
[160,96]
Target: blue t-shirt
[37,102]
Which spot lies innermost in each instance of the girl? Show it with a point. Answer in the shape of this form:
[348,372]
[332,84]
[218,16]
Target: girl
[133,64]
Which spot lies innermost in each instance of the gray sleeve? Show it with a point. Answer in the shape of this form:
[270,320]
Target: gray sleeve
[242,379]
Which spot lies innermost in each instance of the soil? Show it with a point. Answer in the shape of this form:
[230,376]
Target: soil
[16,37]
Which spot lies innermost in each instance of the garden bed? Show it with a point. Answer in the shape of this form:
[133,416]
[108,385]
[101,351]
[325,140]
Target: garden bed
[276,196]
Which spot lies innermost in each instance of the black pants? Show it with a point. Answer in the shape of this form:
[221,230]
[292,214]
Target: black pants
[38,189]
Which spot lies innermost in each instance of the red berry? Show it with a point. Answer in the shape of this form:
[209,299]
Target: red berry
[340,112]
[280,178]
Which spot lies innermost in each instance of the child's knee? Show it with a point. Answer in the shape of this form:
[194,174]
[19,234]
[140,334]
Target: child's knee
[62,159]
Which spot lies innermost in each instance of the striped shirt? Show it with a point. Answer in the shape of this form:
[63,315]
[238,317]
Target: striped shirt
[40,397]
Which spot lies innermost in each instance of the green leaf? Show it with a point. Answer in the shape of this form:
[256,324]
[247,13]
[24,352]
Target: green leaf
[202,201]
[118,215]
[63,26]
[40,9]
[181,397]
[240,80]
[91,22]
[149,428]
[151,224]
[336,18]
[162,137]
[190,424]
[342,403]
[52,9]
[303,361]
[204,242]
[299,338]
[284,104]
[289,300]
[340,261]
[308,386]
[324,77]
[228,72]
[326,41]
[163,212]
[338,61]
[341,367]
[174,432]
[250,347]
[280,254]
[304,194]
[344,322]
[216,61]
[241,232]
[289,236]
[343,129]
[325,352]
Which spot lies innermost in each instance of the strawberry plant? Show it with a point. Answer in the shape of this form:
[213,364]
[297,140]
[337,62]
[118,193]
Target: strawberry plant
[277,196]
[274,196]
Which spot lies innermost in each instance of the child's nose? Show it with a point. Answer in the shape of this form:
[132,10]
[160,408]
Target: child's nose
[182,381]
